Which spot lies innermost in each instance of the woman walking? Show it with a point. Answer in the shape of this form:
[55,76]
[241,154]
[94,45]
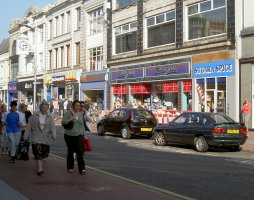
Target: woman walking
[73,137]
[41,128]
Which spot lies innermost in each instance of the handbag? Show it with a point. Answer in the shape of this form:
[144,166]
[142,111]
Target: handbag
[69,126]
[86,144]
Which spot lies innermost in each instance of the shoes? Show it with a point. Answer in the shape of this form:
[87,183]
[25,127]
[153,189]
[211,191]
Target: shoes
[70,170]
[40,172]
[82,172]
[12,160]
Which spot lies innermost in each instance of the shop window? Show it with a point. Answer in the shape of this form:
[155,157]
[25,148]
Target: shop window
[211,94]
[126,38]
[187,86]
[124,3]
[207,19]
[141,88]
[161,29]
[119,89]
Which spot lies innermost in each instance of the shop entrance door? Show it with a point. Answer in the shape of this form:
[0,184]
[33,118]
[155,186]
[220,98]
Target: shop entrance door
[210,99]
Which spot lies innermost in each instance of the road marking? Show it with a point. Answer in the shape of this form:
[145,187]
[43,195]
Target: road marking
[156,189]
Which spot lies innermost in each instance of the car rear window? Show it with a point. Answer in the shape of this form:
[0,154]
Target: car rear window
[143,114]
[220,119]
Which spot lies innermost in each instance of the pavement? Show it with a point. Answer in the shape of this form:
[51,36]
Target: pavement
[19,181]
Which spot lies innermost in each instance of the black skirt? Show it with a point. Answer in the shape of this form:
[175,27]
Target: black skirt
[40,151]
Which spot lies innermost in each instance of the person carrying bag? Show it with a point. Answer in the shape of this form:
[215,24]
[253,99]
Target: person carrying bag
[73,137]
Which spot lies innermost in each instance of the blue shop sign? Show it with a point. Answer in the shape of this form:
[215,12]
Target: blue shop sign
[12,87]
[213,69]
[127,74]
[168,70]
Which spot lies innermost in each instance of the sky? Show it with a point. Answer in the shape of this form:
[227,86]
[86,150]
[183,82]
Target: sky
[11,9]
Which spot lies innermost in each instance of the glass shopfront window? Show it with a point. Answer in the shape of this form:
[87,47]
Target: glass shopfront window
[211,94]
[206,19]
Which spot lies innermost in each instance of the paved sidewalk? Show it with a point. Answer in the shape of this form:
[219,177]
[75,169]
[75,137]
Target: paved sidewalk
[58,184]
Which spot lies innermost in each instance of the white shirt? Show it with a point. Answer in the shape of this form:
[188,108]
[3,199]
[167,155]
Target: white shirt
[22,117]
[42,119]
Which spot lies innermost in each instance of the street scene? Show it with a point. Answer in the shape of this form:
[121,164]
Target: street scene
[127,99]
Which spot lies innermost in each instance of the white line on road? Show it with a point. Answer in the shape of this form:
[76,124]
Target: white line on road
[134,182]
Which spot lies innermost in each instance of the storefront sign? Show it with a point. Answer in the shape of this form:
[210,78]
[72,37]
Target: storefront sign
[168,70]
[28,85]
[127,74]
[84,78]
[58,79]
[12,87]
[213,69]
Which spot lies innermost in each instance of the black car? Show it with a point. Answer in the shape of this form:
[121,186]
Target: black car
[202,130]
[128,122]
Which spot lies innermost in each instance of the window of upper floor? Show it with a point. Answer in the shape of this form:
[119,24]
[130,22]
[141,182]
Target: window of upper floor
[123,3]
[207,18]
[78,18]
[96,21]
[126,38]
[96,59]
[161,29]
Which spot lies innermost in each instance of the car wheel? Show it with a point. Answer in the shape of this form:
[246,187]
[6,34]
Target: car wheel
[100,130]
[159,139]
[201,144]
[125,131]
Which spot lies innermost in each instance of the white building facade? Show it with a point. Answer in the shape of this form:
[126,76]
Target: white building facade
[4,69]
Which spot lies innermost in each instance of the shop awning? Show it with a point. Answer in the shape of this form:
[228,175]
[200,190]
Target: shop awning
[119,89]
[170,87]
[141,88]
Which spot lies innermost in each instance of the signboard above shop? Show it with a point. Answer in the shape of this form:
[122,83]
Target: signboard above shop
[58,79]
[127,74]
[214,69]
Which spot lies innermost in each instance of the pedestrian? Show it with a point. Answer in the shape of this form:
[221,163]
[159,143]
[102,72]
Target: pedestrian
[65,106]
[3,134]
[61,107]
[42,131]
[86,118]
[246,110]
[22,113]
[73,137]
[13,124]
[56,108]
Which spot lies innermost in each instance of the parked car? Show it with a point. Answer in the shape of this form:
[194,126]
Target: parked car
[128,122]
[203,130]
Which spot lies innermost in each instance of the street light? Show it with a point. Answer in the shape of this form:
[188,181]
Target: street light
[34,68]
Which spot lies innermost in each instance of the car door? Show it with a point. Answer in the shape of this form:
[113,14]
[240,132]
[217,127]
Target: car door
[174,128]
[122,118]
[111,122]
[190,128]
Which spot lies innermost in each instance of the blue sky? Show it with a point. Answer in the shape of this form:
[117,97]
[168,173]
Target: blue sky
[11,9]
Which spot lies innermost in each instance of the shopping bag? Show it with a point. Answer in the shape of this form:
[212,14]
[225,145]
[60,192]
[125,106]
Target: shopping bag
[22,152]
[86,144]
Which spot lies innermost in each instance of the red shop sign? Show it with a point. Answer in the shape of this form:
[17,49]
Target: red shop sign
[170,87]
[187,86]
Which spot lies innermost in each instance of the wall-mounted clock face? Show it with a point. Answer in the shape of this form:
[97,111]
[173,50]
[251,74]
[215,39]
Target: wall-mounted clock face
[23,45]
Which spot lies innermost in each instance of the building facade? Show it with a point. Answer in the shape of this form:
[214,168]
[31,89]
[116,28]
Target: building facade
[4,69]
[245,39]
[63,50]
[174,56]
[93,80]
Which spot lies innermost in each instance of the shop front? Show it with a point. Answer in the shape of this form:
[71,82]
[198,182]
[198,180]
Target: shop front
[212,84]
[26,91]
[164,87]
[12,91]
[93,88]
[61,86]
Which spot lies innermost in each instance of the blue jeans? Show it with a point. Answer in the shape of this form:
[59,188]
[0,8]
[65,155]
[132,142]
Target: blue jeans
[14,139]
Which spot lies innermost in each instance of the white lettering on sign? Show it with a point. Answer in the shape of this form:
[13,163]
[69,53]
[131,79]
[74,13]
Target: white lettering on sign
[227,68]
[58,78]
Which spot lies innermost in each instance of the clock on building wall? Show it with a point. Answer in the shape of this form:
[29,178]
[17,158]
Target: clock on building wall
[22,46]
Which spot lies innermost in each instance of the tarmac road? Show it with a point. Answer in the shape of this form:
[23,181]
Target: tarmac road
[176,169]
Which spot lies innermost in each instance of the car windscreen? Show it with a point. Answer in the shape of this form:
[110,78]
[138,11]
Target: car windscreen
[222,119]
[143,114]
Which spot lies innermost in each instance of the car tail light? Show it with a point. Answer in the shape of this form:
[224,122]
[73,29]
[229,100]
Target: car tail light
[243,130]
[218,130]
